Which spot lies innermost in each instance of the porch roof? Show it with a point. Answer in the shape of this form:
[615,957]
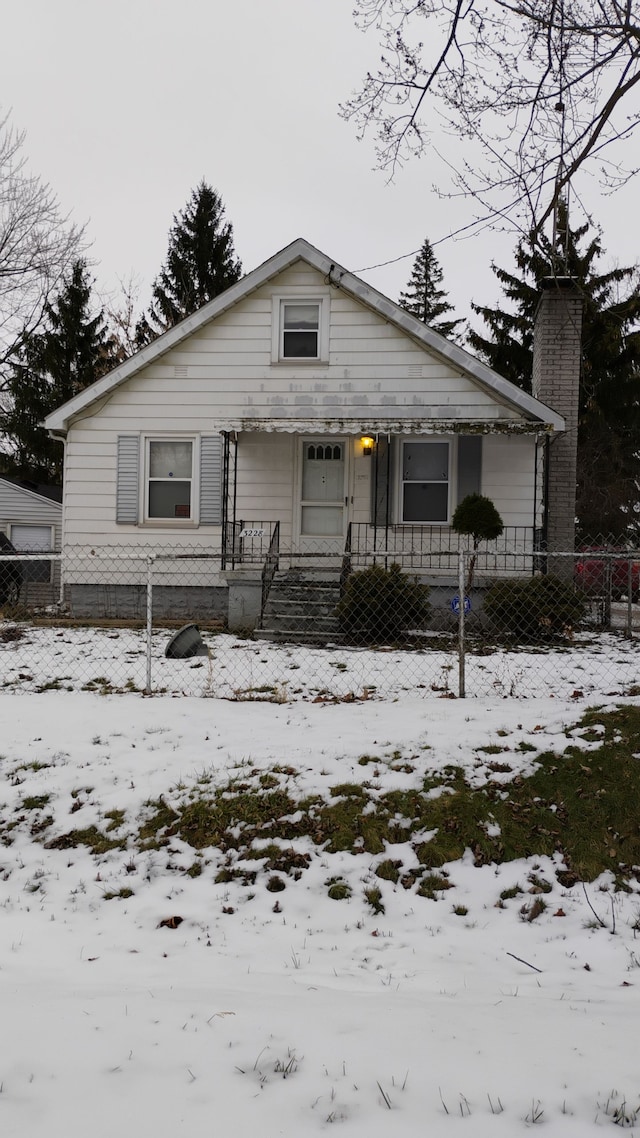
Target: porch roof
[367,426]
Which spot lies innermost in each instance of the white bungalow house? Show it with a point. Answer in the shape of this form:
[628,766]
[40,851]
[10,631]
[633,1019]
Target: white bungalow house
[298,414]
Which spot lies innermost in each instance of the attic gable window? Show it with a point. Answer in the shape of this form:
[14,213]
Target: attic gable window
[300,328]
[300,331]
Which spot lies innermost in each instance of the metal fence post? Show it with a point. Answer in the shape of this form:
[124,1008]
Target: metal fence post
[461,643]
[608,590]
[61,590]
[150,561]
[629,630]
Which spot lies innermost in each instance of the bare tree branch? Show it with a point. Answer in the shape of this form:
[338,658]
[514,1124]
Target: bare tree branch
[540,87]
[37,244]
[122,312]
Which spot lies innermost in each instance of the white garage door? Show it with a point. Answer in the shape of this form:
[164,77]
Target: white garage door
[33,539]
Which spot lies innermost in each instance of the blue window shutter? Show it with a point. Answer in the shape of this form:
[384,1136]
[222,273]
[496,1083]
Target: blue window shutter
[469,465]
[128,474]
[211,481]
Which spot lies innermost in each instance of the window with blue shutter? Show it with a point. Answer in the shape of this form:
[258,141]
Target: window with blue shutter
[169,480]
[426,469]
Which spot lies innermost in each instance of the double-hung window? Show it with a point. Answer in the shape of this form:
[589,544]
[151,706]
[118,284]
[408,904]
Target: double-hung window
[169,487]
[300,331]
[425,482]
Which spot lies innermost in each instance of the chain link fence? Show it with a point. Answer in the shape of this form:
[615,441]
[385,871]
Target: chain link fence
[279,628]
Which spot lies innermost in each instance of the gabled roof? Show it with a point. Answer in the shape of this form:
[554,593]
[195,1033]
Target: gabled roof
[504,391]
[52,494]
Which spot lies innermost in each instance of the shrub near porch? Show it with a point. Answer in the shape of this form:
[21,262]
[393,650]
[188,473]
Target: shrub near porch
[382,604]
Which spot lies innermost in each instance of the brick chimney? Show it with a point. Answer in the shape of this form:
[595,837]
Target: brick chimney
[557,359]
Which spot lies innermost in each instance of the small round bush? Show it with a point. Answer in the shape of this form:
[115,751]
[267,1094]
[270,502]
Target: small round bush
[477,515]
[381,604]
[538,608]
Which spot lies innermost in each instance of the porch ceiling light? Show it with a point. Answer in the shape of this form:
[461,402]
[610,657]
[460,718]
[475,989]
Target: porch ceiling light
[366,443]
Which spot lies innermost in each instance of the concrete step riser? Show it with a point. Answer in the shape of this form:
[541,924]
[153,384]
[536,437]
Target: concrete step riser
[277,636]
[304,588]
[294,612]
[310,578]
[305,596]
[320,627]
[296,608]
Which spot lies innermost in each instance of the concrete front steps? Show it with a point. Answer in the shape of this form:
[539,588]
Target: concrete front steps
[301,608]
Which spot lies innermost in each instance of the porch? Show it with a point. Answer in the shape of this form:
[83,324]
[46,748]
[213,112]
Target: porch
[377,496]
[267,582]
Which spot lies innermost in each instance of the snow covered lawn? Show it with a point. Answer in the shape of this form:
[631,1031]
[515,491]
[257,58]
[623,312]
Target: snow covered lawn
[34,658]
[142,996]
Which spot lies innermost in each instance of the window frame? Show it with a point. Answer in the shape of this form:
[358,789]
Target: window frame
[52,537]
[450,440]
[145,480]
[300,296]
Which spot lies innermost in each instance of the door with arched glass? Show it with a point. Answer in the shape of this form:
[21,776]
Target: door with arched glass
[323,493]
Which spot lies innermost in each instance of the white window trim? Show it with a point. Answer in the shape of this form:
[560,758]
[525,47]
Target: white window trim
[301,295]
[452,441]
[178,437]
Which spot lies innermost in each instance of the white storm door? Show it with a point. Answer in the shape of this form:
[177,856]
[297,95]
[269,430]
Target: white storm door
[322,499]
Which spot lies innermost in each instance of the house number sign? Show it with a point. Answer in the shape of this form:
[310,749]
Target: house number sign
[251,533]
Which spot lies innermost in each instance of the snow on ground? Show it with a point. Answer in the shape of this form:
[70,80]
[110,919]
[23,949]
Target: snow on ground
[290,1013]
[99,659]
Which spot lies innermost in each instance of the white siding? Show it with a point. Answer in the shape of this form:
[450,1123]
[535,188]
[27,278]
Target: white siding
[508,478]
[266,471]
[267,491]
[224,376]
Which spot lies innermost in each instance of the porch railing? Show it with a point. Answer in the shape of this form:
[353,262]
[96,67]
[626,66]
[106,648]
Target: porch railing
[246,542]
[435,548]
[346,567]
[270,567]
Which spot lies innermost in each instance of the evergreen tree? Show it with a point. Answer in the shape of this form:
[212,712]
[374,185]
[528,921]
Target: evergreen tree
[609,410]
[201,263]
[52,366]
[424,298]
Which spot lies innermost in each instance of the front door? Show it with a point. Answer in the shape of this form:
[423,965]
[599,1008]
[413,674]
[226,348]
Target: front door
[323,494]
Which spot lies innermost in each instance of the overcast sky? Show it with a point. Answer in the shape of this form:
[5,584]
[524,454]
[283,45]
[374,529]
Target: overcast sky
[128,104]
